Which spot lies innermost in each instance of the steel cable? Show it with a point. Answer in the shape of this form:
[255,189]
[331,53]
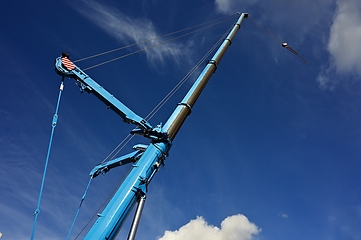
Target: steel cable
[284,44]
[147,48]
[219,20]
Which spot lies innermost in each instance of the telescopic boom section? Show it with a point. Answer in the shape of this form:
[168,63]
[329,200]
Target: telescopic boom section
[184,108]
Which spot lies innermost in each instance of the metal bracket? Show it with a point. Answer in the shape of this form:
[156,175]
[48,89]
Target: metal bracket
[214,62]
[106,166]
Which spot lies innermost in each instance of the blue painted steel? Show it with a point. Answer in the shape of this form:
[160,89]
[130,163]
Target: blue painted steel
[89,85]
[113,216]
[53,125]
[106,166]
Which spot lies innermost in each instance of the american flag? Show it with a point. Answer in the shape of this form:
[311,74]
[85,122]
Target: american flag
[67,63]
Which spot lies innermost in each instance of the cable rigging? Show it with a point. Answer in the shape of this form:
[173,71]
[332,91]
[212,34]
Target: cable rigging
[65,67]
[217,21]
[284,44]
[53,125]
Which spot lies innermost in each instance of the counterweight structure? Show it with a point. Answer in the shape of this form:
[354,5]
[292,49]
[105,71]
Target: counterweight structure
[147,158]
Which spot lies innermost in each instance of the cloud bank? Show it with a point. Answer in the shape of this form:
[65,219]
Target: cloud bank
[236,227]
[345,37]
[344,43]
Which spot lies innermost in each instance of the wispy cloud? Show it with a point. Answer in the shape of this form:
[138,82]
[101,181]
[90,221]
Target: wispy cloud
[344,44]
[358,210]
[130,30]
[229,6]
[233,227]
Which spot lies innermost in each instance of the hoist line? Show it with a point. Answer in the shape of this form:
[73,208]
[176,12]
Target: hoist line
[284,44]
[86,190]
[147,48]
[129,135]
[265,29]
[222,19]
[125,144]
[77,212]
[53,125]
[102,205]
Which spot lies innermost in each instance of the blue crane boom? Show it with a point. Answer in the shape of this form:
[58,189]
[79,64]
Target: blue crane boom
[65,68]
[148,159]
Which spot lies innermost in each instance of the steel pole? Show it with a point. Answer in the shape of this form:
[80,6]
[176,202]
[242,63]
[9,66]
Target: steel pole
[136,220]
[184,108]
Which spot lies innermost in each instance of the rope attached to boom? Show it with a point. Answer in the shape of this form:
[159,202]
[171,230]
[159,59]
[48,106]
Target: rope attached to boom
[147,48]
[218,21]
[77,212]
[53,124]
[284,44]
[101,206]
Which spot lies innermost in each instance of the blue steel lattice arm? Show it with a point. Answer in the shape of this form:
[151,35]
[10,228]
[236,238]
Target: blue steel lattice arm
[117,162]
[65,68]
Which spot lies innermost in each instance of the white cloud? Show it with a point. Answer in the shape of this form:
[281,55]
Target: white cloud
[344,43]
[345,37]
[284,215]
[229,6]
[236,227]
[223,6]
[130,30]
[323,81]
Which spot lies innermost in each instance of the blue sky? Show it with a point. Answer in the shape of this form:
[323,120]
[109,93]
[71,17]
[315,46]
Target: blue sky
[270,151]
